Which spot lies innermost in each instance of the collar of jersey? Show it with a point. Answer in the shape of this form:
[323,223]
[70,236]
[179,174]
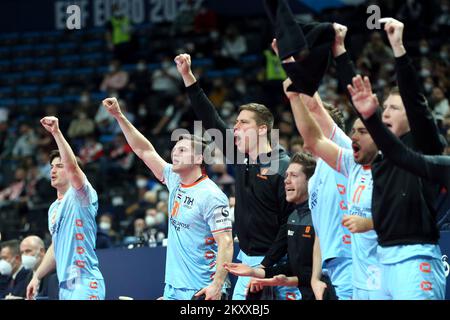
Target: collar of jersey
[193,184]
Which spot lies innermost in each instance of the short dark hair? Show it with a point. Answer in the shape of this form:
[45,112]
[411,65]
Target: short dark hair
[263,116]
[199,145]
[307,162]
[394,90]
[13,245]
[336,115]
[56,154]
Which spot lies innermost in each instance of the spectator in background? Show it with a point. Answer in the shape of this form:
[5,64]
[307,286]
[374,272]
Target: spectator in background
[80,126]
[166,81]
[16,274]
[274,76]
[116,79]
[107,237]
[205,21]
[15,192]
[440,107]
[219,92]
[156,225]
[234,44]
[377,52]
[184,20]
[44,142]
[296,145]
[119,34]
[91,151]
[106,124]
[26,142]
[32,249]
[140,83]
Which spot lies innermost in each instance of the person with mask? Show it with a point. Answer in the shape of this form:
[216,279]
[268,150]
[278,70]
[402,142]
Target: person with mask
[106,236]
[14,275]
[32,249]
[156,225]
[71,222]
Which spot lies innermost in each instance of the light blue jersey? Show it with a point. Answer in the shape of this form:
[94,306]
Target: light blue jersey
[197,212]
[71,222]
[366,269]
[328,204]
[412,272]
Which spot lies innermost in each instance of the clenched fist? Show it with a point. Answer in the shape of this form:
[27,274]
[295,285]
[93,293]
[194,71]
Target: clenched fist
[112,106]
[183,62]
[51,124]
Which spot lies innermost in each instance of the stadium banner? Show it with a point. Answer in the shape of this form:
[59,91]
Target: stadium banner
[47,15]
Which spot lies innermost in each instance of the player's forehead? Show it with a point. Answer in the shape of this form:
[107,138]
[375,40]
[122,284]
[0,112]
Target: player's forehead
[294,168]
[56,161]
[183,143]
[358,125]
[246,115]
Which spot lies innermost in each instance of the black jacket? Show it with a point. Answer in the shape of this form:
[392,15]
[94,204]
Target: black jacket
[301,235]
[261,208]
[403,205]
[18,286]
[433,168]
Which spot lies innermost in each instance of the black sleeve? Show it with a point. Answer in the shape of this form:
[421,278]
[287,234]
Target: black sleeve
[433,168]
[279,248]
[282,268]
[206,112]
[21,283]
[345,70]
[4,281]
[421,121]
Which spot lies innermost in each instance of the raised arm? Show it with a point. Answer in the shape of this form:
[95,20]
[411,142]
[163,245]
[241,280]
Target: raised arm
[203,108]
[433,168]
[314,139]
[421,121]
[68,159]
[140,145]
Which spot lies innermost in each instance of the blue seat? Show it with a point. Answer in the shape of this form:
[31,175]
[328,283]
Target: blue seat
[10,78]
[71,98]
[5,65]
[202,62]
[52,100]
[61,74]
[98,96]
[27,102]
[23,91]
[232,72]
[44,62]
[214,74]
[7,102]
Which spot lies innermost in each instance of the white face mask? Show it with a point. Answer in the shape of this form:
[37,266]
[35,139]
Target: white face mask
[5,268]
[141,183]
[150,221]
[29,262]
[104,225]
[160,217]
